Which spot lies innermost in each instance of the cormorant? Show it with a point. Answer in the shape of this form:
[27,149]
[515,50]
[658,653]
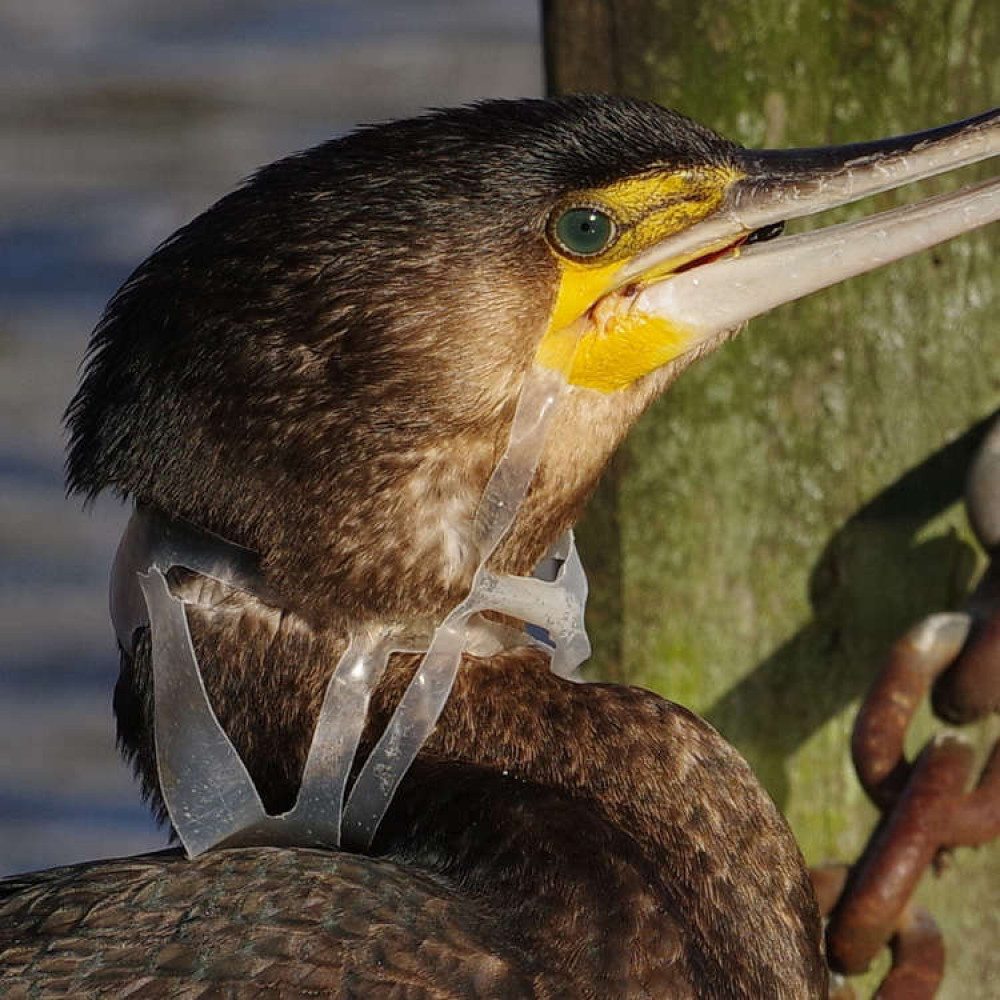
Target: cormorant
[322,371]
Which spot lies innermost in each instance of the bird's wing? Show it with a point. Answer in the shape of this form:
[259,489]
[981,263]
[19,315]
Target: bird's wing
[250,923]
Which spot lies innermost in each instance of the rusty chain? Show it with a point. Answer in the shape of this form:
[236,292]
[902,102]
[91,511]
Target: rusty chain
[930,805]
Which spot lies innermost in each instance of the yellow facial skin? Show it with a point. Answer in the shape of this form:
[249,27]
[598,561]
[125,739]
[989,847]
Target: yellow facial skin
[612,354]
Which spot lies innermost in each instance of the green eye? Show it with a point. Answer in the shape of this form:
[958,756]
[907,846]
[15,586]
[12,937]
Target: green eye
[584,232]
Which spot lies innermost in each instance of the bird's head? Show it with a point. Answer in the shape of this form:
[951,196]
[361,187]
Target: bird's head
[324,366]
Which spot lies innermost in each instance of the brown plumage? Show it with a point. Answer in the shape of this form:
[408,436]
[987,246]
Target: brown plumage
[553,840]
[324,368]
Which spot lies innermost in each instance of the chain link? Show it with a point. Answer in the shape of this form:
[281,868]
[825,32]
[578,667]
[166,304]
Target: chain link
[931,804]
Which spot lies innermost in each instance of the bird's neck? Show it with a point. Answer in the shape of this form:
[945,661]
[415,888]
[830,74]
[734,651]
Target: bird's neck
[264,660]
[396,536]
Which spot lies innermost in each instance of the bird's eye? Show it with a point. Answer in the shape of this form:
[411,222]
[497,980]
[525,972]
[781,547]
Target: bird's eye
[583,232]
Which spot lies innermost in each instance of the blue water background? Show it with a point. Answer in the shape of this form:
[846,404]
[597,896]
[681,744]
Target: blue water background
[119,120]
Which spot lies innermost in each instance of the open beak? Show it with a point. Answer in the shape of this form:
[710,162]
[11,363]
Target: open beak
[715,275]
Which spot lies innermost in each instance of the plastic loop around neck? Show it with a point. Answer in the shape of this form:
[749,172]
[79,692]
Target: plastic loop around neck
[209,795]
[425,697]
